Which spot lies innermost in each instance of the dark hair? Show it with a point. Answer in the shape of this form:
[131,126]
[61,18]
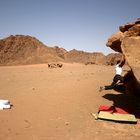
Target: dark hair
[122,63]
[118,61]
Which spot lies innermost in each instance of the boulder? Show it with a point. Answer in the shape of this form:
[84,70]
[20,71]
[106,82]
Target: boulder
[127,41]
[125,27]
[114,42]
[131,49]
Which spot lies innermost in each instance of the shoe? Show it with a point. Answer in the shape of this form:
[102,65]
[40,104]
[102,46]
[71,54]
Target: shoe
[101,88]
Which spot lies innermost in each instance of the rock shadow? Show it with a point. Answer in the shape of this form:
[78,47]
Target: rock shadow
[129,103]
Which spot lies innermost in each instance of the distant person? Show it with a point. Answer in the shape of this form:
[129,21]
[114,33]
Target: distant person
[117,78]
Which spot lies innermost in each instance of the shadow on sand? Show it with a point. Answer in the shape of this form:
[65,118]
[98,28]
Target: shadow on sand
[129,103]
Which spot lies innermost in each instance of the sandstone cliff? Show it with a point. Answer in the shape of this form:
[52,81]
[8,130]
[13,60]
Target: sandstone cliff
[127,41]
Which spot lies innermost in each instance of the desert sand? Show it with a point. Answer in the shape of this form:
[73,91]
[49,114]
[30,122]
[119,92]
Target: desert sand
[56,104]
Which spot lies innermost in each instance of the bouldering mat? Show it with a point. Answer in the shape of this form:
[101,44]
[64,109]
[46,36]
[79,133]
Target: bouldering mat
[113,113]
[130,118]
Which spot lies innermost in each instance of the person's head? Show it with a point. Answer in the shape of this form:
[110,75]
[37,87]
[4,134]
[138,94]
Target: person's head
[118,62]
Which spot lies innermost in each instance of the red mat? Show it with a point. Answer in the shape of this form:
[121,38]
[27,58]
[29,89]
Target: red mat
[112,109]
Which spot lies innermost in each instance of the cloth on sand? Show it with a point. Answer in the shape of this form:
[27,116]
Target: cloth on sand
[4,104]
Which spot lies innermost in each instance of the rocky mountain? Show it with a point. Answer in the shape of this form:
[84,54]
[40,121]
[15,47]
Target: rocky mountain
[127,42]
[85,57]
[112,58]
[21,50]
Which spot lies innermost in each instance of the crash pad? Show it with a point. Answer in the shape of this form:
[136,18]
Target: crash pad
[116,117]
[114,113]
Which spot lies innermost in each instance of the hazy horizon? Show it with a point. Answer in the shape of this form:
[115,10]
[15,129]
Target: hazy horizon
[71,24]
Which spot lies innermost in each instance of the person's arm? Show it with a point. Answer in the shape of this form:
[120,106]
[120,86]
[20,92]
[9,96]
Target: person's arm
[122,61]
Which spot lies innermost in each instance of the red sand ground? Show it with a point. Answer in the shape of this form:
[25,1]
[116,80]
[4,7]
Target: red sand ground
[56,104]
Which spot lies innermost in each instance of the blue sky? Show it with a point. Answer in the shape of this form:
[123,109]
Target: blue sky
[80,24]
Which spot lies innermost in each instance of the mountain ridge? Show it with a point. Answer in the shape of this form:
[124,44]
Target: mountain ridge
[25,49]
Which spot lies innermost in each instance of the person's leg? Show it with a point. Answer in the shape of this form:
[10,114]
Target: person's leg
[121,79]
[110,86]
[113,84]
[118,78]
[115,80]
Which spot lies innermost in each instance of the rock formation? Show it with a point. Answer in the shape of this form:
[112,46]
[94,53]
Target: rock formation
[127,41]
[85,57]
[21,49]
[112,58]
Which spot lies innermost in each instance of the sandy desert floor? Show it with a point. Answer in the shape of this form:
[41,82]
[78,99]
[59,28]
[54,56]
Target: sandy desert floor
[56,104]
